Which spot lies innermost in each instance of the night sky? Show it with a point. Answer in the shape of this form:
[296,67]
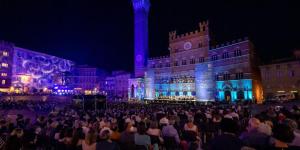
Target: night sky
[100,32]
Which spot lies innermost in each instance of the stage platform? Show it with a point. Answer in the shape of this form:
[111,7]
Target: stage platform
[169,101]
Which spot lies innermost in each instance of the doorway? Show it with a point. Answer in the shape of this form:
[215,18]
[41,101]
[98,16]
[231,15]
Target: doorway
[228,96]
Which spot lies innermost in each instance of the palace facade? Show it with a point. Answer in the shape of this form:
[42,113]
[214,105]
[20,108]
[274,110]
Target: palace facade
[193,70]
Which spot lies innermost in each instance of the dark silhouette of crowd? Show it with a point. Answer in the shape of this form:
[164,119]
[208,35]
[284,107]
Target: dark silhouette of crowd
[136,126]
[38,106]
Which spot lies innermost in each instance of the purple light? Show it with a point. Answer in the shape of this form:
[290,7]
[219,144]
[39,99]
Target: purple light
[141,10]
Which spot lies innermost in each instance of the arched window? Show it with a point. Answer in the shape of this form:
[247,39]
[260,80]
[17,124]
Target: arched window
[214,57]
[225,55]
[237,52]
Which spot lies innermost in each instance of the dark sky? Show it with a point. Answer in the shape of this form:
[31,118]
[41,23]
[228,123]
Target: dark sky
[100,32]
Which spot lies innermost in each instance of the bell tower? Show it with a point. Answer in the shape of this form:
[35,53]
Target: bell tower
[141,11]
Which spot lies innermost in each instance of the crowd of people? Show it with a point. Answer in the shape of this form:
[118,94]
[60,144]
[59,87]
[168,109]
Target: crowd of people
[128,126]
[37,106]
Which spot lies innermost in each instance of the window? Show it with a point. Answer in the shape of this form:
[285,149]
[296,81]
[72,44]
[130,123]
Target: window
[5,53]
[3,82]
[201,59]
[266,75]
[176,63]
[239,75]
[3,74]
[226,76]
[192,61]
[278,73]
[200,45]
[167,64]
[183,62]
[216,77]
[237,52]
[292,73]
[225,55]
[4,65]
[214,57]
[160,65]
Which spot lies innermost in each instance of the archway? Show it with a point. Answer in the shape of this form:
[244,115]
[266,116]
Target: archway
[240,95]
[227,95]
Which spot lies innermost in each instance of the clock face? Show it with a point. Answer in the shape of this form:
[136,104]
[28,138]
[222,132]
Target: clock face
[187,45]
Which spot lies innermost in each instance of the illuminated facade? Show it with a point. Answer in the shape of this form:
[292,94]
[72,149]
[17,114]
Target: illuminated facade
[141,11]
[23,70]
[6,59]
[235,71]
[34,70]
[194,70]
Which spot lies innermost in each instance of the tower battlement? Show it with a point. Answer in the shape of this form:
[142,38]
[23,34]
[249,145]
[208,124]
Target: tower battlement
[141,4]
[229,43]
[203,30]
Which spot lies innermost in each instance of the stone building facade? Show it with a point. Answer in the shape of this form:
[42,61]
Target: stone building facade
[194,70]
[116,85]
[6,64]
[281,76]
[88,80]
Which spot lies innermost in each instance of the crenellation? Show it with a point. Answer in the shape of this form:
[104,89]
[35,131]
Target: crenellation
[203,30]
[229,43]
[172,35]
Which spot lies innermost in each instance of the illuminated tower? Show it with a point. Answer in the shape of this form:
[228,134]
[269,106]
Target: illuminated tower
[141,11]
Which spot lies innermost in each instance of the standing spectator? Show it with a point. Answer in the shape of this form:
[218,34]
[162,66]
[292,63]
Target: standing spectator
[170,131]
[127,137]
[14,142]
[77,139]
[155,135]
[228,139]
[294,127]
[283,135]
[90,141]
[252,137]
[106,143]
[141,139]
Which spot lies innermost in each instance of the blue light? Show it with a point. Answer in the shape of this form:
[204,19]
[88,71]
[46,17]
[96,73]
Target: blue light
[233,95]
[221,95]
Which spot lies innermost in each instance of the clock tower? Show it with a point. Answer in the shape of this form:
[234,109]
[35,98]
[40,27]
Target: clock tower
[141,11]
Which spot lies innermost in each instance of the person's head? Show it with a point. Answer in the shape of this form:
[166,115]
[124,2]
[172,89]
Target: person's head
[164,121]
[114,127]
[141,128]
[229,125]
[17,132]
[90,138]
[104,135]
[69,132]
[283,133]
[292,124]
[264,128]
[253,124]
[153,125]
[79,133]
[190,119]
